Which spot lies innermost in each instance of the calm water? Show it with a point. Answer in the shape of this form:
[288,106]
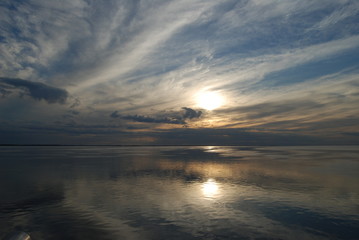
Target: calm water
[180,192]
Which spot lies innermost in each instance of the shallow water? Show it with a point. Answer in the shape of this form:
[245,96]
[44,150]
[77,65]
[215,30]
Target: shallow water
[180,192]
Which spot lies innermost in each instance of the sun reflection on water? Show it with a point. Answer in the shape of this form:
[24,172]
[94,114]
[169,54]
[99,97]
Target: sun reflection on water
[210,188]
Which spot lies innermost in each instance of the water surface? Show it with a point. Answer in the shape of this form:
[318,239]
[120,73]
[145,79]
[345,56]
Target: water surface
[180,192]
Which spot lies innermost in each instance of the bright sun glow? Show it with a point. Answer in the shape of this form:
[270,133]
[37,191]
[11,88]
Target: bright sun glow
[209,100]
[210,188]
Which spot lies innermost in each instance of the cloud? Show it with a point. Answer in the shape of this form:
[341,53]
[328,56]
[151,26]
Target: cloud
[190,113]
[4,92]
[270,60]
[341,13]
[146,119]
[232,136]
[278,109]
[356,134]
[174,117]
[36,90]
[115,114]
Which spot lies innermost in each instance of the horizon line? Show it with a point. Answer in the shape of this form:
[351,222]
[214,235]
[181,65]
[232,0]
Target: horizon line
[166,145]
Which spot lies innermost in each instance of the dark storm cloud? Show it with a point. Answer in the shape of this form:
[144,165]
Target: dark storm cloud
[36,90]
[170,117]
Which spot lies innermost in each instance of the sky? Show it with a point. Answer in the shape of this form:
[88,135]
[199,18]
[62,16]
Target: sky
[181,72]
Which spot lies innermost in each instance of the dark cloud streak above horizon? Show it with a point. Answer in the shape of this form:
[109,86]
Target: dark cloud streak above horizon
[36,90]
[167,117]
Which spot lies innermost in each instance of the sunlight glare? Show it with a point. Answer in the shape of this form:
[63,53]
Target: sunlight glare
[210,188]
[209,100]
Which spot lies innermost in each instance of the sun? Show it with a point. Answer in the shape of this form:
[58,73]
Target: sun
[209,100]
